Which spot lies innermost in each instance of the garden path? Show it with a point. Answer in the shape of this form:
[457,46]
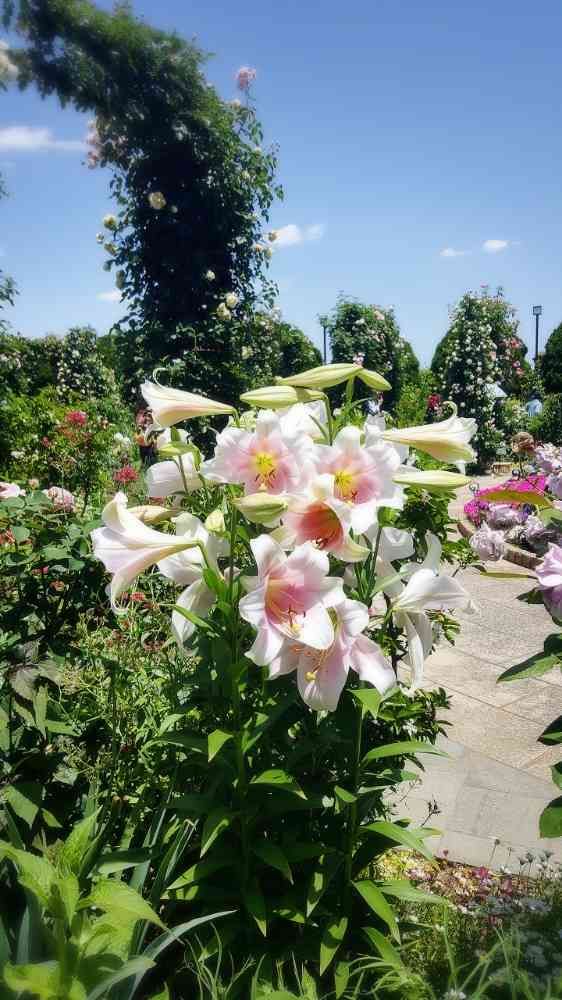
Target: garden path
[496,779]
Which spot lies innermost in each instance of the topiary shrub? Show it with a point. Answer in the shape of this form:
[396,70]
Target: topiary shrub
[466,367]
[371,334]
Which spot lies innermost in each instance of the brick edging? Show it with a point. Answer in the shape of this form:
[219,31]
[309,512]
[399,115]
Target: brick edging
[513,554]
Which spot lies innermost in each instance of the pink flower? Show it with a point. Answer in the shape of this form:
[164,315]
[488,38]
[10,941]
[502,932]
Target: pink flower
[10,490]
[362,473]
[489,545]
[244,77]
[274,457]
[322,673]
[126,474]
[322,518]
[549,575]
[289,599]
[62,499]
[76,417]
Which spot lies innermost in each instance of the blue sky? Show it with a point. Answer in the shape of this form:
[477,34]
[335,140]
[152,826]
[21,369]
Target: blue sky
[405,130]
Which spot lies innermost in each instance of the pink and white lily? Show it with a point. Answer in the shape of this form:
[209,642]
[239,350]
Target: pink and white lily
[10,490]
[362,474]
[289,598]
[322,673]
[320,517]
[274,457]
[169,406]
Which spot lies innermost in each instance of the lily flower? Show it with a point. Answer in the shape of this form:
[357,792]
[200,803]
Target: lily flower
[273,457]
[288,599]
[363,474]
[322,673]
[10,490]
[165,478]
[426,590]
[447,440]
[322,518]
[169,406]
[127,547]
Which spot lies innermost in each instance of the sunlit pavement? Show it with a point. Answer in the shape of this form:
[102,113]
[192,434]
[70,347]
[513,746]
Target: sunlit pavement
[496,780]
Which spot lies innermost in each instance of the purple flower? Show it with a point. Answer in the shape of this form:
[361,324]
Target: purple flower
[554,483]
[502,515]
[549,575]
[488,544]
[533,528]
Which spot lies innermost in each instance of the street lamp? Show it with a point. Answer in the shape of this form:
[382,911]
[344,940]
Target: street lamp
[537,311]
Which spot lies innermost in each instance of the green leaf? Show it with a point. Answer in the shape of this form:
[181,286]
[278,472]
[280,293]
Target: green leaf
[344,796]
[272,855]
[185,739]
[303,852]
[20,533]
[399,835]
[402,888]
[42,980]
[556,772]
[341,978]
[216,823]
[25,800]
[40,709]
[378,904]
[116,898]
[401,749]
[369,698]
[215,741]
[137,966]
[35,873]
[530,496]
[119,861]
[550,823]
[194,619]
[76,845]
[332,937]
[385,948]
[201,869]
[552,733]
[67,890]
[276,778]
[255,905]
[534,666]
[194,804]
[327,867]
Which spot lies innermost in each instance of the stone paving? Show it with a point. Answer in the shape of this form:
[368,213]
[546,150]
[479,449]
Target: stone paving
[496,780]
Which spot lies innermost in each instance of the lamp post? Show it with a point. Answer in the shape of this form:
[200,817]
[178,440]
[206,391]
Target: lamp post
[537,310]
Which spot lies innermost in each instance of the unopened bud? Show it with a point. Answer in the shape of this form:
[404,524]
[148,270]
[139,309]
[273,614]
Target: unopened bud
[323,377]
[261,508]
[215,522]
[276,397]
[373,380]
[433,480]
[150,513]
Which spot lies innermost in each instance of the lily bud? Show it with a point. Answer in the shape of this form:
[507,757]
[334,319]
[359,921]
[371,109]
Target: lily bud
[261,508]
[276,397]
[215,522]
[150,513]
[433,480]
[169,406]
[323,377]
[373,380]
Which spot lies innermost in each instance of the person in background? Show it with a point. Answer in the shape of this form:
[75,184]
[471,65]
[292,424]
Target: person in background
[374,406]
[534,405]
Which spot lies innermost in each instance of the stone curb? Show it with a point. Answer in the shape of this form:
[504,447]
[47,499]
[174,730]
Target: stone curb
[513,554]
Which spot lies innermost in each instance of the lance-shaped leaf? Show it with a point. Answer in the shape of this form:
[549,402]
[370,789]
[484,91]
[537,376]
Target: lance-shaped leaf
[376,901]
[333,935]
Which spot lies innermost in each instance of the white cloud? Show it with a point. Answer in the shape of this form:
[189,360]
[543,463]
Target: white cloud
[291,235]
[114,296]
[32,139]
[494,246]
[451,252]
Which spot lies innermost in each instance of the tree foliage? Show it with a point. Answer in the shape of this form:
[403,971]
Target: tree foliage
[466,367]
[192,184]
[508,347]
[551,361]
[369,332]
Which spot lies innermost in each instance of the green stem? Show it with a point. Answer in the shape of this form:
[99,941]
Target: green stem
[352,814]
[238,736]
[330,418]
[113,698]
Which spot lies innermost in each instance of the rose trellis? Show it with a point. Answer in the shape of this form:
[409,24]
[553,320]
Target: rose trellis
[301,594]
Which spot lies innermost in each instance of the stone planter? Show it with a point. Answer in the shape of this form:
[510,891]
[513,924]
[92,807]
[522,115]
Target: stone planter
[513,554]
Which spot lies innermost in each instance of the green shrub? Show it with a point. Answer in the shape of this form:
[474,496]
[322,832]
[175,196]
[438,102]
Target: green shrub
[551,361]
[548,426]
